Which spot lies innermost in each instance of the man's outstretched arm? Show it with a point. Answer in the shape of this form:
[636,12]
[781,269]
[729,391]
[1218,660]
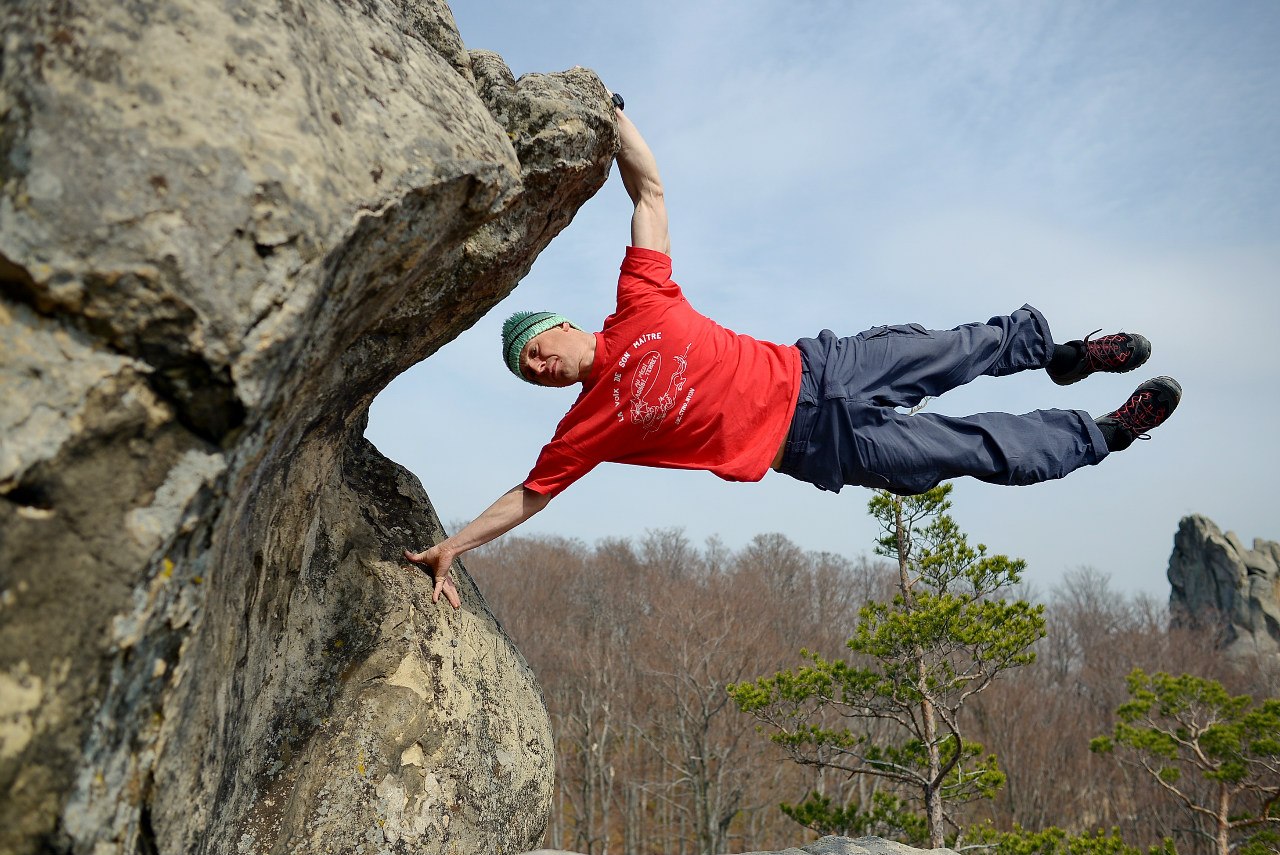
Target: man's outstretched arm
[639,172]
[512,508]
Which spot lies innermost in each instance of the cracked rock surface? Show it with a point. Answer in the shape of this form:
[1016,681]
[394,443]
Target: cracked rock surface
[1219,583]
[224,228]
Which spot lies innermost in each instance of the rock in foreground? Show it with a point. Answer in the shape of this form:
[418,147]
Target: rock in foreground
[824,846]
[224,228]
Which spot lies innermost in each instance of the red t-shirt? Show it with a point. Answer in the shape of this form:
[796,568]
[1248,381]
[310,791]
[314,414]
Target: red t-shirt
[672,388]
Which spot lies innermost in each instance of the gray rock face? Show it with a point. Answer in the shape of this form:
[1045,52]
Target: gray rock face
[224,227]
[1219,583]
[825,846]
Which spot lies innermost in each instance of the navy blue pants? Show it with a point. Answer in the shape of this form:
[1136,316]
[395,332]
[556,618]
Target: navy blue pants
[846,429]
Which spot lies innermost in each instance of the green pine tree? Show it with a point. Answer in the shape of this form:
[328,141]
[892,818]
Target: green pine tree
[1216,754]
[1056,841]
[887,816]
[893,710]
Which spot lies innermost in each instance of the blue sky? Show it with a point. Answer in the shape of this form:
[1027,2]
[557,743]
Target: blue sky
[848,164]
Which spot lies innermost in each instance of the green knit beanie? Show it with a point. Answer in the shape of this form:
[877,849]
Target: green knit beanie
[519,329]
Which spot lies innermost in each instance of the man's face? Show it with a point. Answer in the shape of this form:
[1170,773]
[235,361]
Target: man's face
[559,356]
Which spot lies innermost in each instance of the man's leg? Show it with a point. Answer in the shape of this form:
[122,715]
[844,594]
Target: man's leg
[852,443]
[846,430]
[839,442]
[899,366]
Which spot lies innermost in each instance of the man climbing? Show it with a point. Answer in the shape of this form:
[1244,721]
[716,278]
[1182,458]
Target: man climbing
[665,386]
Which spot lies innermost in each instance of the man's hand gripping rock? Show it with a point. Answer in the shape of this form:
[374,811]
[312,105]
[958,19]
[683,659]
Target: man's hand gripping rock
[440,563]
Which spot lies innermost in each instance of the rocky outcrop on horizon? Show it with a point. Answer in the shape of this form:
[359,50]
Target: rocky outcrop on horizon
[1220,585]
[224,228]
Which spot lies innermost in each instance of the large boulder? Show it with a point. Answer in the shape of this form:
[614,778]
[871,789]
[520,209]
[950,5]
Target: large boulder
[1219,584]
[224,228]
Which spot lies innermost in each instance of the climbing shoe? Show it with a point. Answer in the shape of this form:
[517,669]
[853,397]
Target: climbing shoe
[1148,407]
[1113,353]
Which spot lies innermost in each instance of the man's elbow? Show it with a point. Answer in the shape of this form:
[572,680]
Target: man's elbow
[533,501]
[651,195]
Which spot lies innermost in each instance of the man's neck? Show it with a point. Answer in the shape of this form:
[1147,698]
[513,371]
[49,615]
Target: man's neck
[588,360]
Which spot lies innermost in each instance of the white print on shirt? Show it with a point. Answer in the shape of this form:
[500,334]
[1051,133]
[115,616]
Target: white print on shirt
[646,411]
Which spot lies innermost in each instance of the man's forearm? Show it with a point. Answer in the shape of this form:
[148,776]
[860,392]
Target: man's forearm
[636,164]
[514,507]
[510,510]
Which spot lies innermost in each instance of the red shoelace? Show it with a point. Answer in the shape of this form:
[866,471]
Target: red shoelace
[1141,413]
[1110,351]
